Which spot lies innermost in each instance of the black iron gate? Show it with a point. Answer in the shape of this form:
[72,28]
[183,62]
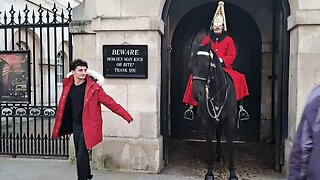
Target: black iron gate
[36,48]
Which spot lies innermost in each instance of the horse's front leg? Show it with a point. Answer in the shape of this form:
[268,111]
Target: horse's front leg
[219,157]
[209,151]
[230,129]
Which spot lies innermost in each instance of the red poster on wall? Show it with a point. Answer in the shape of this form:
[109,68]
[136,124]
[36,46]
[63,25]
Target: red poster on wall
[14,77]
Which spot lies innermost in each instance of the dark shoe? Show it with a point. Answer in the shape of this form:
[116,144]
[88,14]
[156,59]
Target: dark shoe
[243,114]
[90,176]
[189,115]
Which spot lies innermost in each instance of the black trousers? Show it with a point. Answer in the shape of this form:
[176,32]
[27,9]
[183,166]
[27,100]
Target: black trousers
[82,155]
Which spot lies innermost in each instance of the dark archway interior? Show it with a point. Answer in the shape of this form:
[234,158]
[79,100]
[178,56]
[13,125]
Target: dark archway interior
[188,33]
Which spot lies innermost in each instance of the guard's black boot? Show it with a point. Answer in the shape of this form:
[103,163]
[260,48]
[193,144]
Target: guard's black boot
[188,114]
[243,114]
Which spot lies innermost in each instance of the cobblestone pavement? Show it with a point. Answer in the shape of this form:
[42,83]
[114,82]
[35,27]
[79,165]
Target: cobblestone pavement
[253,161]
[48,169]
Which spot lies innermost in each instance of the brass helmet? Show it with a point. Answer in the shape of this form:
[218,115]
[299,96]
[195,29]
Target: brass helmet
[219,17]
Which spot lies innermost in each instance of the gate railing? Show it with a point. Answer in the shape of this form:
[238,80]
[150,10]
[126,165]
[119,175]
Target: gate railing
[44,38]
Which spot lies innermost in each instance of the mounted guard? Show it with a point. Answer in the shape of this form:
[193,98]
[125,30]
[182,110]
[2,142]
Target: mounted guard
[224,47]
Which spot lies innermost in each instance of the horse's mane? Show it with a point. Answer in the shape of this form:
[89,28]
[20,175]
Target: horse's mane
[215,75]
[214,57]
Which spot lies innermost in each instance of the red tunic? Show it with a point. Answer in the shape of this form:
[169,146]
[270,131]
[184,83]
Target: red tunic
[225,50]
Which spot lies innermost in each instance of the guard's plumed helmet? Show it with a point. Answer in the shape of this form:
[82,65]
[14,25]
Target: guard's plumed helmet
[219,17]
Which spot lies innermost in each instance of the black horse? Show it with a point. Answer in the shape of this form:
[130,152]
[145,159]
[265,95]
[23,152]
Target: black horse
[214,91]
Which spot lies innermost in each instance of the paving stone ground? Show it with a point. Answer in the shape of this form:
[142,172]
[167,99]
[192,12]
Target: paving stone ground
[254,161]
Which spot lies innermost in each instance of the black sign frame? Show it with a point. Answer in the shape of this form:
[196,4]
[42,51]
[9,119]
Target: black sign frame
[125,61]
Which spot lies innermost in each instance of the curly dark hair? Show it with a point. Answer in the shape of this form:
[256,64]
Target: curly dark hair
[78,62]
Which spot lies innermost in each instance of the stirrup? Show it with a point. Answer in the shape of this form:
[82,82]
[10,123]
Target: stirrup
[243,114]
[188,114]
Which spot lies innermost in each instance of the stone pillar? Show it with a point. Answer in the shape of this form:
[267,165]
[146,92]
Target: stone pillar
[135,147]
[304,67]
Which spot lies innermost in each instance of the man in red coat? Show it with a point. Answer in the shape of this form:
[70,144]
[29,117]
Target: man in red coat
[224,47]
[79,112]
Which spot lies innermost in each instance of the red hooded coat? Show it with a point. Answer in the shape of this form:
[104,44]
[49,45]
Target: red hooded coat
[91,116]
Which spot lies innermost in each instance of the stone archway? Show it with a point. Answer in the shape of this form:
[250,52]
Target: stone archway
[193,26]
[266,33]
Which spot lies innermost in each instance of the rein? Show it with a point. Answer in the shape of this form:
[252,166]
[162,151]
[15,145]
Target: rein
[216,112]
[215,109]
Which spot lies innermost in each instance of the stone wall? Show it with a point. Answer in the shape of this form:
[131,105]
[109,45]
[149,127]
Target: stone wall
[135,147]
[138,146]
[304,27]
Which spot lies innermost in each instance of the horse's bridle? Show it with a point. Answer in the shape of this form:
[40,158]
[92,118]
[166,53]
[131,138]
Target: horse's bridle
[218,111]
[211,65]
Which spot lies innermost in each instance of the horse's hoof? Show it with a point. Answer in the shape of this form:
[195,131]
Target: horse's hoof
[233,178]
[209,177]
[219,159]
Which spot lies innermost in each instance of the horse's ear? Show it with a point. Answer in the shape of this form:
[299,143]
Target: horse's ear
[214,55]
[205,47]
[208,46]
